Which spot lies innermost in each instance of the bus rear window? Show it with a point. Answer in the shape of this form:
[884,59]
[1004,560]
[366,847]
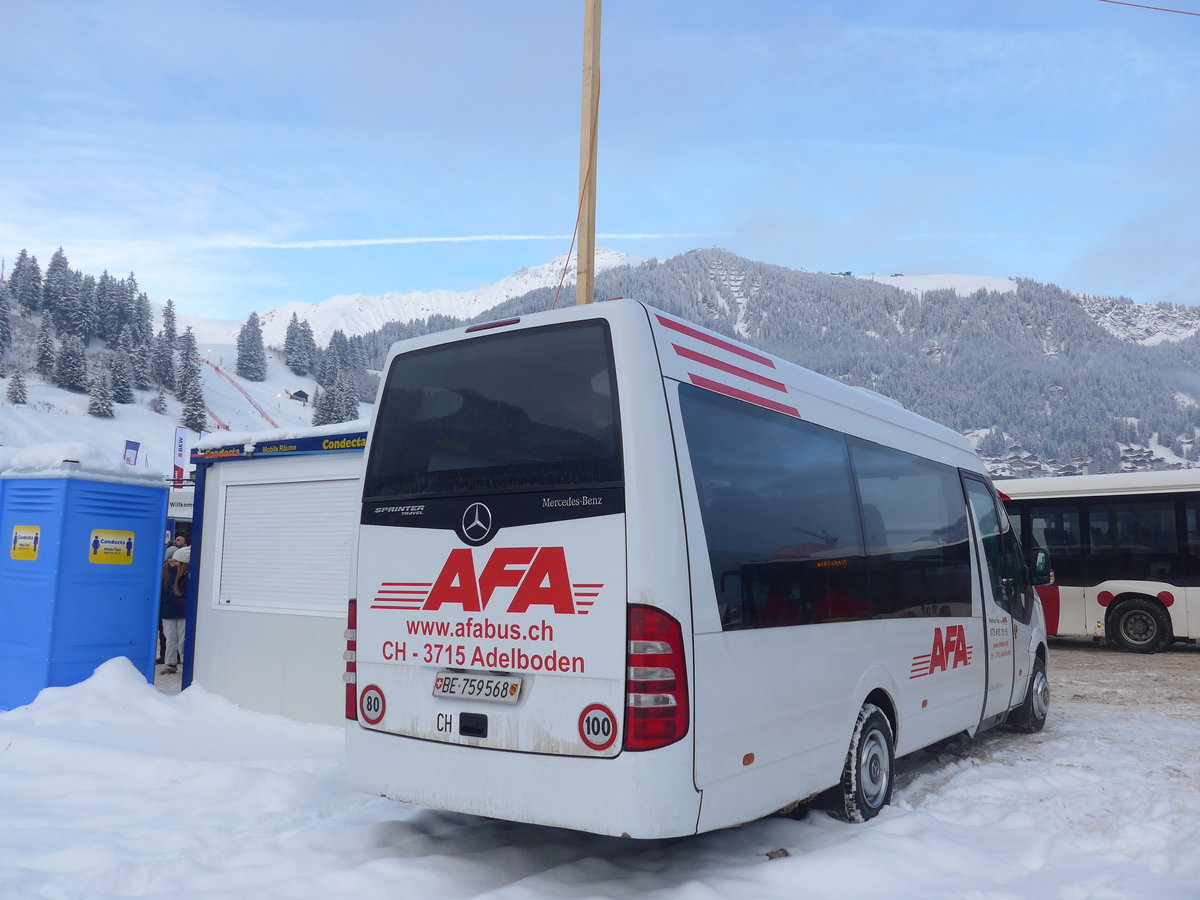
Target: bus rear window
[534,409]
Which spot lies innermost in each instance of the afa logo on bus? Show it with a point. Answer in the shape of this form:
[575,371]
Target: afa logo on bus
[950,650]
[539,575]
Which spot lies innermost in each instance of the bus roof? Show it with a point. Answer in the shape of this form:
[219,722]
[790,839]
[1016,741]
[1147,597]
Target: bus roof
[1115,483]
[826,401]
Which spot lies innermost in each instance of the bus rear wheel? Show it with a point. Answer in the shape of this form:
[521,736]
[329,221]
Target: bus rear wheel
[1140,626]
[866,785]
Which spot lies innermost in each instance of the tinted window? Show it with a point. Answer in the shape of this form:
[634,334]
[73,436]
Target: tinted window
[1006,570]
[1056,527]
[1131,539]
[779,514]
[915,520]
[1189,559]
[522,410]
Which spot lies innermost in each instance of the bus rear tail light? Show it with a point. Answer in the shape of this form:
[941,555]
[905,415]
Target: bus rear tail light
[656,705]
[350,676]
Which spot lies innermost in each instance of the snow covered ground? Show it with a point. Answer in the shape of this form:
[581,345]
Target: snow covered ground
[112,788]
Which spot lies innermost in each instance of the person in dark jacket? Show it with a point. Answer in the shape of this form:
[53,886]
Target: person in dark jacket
[173,608]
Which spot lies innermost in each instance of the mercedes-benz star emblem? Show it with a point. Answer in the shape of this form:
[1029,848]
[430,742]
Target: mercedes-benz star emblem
[477,523]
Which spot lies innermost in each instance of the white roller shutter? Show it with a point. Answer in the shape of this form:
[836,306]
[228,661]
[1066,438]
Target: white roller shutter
[286,545]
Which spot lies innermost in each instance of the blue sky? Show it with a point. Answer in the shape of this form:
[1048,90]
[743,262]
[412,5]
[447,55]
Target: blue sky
[233,155]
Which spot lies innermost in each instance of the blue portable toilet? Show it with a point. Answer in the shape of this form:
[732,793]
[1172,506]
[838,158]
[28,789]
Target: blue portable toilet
[79,577]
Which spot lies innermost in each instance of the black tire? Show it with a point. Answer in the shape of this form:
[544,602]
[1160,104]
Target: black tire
[1140,625]
[866,785]
[1030,716]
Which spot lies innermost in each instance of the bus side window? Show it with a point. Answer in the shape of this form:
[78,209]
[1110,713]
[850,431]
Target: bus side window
[779,513]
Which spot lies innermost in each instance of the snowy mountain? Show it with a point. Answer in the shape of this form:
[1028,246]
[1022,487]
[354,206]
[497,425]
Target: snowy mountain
[358,313]
[1140,323]
[1042,380]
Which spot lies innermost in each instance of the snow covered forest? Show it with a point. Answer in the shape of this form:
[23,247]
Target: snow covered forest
[1033,368]
[96,336]
[1037,373]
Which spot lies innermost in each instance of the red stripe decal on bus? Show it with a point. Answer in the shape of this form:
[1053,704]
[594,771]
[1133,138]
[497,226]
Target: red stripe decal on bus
[701,381]
[1048,594]
[731,369]
[715,341]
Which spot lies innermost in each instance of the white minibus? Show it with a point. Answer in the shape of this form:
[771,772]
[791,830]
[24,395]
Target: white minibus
[1126,553]
[621,574]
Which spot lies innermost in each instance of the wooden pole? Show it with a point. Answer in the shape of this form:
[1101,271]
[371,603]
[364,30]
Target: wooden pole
[585,267]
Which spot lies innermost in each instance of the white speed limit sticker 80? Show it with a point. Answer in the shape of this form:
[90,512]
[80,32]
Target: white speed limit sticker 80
[371,705]
[598,726]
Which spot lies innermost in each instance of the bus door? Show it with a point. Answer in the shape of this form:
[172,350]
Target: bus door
[1007,607]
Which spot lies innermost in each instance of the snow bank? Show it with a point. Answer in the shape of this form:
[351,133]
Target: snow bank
[110,788]
[76,459]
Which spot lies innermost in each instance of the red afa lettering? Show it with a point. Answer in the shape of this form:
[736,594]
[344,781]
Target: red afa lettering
[539,575]
[950,650]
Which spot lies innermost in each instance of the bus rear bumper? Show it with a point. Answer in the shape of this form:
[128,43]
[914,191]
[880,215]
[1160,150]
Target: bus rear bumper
[643,795]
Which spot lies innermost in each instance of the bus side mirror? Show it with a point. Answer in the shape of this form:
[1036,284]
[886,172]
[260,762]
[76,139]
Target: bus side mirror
[1039,567]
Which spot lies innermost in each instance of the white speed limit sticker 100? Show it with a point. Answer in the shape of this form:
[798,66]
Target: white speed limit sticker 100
[598,726]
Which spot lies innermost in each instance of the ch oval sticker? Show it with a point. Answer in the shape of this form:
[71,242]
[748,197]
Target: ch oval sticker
[598,727]
[371,705]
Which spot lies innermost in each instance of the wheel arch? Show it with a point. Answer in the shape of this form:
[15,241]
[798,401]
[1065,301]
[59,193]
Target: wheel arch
[1122,597]
[882,699]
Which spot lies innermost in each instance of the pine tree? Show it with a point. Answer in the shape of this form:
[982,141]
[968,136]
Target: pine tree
[105,305]
[162,362]
[88,307]
[139,364]
[328,371]
[100,402]
[306,346]
[47,353]
[143,321]
[189,366]
[194,416]
[322,407]
[56,288]
[5,318]
[348,398]
[159,404]
[71,308]
[251,355]
[122,376]
[17,392]
[70,368]
[291,347]
[121,310]
[339,349]
[26,282]
[169,325]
